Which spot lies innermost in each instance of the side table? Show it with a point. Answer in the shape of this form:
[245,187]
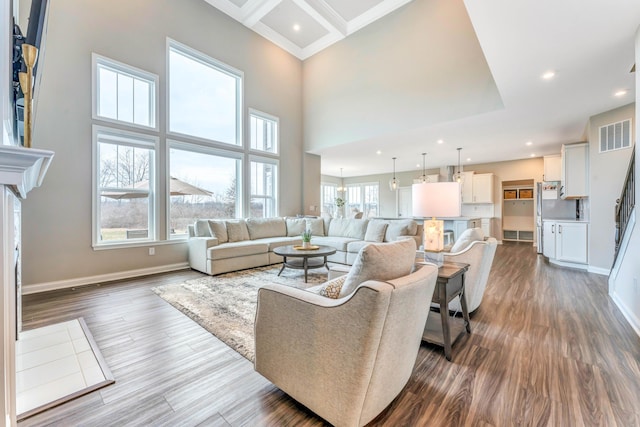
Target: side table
[450,284]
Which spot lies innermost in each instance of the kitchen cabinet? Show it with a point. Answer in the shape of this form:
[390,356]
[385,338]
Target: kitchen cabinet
[565,241]
[518,213]
[487,226]
[575,158]
[477,188]
[461,225]
[552,168]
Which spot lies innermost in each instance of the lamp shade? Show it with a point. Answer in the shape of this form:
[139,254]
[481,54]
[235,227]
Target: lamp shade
[436,199]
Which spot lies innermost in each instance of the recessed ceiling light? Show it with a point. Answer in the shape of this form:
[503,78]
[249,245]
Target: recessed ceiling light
[620,93]
[532,155]
[548,75]
[378,152]
[418,165]
[296,27]
[468,159]
[528,143]
[440,141]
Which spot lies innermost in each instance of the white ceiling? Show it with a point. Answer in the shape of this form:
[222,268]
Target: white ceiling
[589,44]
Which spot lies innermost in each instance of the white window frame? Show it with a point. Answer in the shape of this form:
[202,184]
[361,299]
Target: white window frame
[132,139]
[223,68]
[322,200]
[133,72]
[276,183]
[276,132]
[206,150]
[362,186]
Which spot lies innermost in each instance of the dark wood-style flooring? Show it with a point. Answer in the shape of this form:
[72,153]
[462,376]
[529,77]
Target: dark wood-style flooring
[548,347]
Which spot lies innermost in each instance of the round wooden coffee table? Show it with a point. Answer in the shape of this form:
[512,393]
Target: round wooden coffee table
[304,259]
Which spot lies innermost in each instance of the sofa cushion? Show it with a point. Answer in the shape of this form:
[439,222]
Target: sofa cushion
[218,229]
[339,243]
[354,247]
[201,228]
[316,225]
[400,227]
[467,237]
[295,226]
[266,227]
[344,227]
[375,231]
[237,249]
[380,261]
[237,231]
[275,242]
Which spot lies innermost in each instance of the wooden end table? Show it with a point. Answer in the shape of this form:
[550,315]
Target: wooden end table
[450,284]
[304,259]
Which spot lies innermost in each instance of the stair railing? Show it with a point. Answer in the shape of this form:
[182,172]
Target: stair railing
[625,204]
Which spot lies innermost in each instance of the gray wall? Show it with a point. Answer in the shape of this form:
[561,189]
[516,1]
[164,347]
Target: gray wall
[311,184]
[57,216]
[607,172]
[381,79]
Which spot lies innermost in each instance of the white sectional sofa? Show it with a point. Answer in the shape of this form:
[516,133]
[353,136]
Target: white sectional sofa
[218,246]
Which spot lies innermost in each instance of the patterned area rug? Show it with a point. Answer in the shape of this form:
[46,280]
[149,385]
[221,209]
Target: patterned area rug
[225,305]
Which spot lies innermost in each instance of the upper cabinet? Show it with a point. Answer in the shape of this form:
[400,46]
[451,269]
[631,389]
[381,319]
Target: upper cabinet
[477,188]
[552,168]
[575,171]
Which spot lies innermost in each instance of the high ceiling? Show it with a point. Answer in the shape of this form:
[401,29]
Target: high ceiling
[588,44]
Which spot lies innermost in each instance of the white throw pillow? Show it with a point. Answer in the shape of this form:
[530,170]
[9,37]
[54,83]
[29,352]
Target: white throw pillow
[201,228]
[400,227]
[295,226]
[469,236]
[375,231]
[218,229]
[237,231]
[316,225]
[380,261]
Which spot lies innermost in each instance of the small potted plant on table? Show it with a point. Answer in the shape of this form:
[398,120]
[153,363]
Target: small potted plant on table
[306,239]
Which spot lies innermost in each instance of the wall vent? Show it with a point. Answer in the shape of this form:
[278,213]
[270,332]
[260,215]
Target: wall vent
[615,136]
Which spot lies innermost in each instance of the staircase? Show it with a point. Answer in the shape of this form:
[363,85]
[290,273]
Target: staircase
[625,204]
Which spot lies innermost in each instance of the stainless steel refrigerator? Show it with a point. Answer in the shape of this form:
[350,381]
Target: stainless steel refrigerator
[549,205]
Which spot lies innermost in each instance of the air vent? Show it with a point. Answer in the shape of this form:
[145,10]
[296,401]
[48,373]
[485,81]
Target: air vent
[615,136]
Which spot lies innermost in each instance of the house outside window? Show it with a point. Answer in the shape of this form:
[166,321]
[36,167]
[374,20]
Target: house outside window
[124,94]
[203,183]
[204,96]
[124,186]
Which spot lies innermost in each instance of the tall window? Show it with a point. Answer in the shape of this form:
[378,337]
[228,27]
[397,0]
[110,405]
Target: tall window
[123,93]
[264,131]
[264,174]
[328,194]
[364,198]
[204,96]
[124,208]
[203,183]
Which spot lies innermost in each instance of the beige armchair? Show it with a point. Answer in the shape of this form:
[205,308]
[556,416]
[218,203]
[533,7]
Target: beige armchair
[346,359]
[479,255]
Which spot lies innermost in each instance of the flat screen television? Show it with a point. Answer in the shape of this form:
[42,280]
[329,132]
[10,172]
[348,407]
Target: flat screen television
[35,36]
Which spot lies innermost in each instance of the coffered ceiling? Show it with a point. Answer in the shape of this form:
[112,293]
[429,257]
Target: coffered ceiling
[305,27]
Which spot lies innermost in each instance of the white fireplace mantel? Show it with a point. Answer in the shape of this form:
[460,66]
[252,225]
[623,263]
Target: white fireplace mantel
[23,168]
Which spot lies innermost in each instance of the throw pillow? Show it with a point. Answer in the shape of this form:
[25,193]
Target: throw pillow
[331,289]
[345,227]
[260,228]
[316,225]
[380,261]
[237,231]
[469,236]
[295,226]
[218,229]
[375,231]
[401,227]
[201,228]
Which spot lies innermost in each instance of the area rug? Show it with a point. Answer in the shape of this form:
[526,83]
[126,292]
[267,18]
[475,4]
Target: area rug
[225,305]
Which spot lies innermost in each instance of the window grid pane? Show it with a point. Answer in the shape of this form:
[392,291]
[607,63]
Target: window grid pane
[263,133]
[263,190]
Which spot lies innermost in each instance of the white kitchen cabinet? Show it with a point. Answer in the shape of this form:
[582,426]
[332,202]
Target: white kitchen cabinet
[565,241]
[477,188]
[487,226]
[575,158]
[461,225]
[552,168]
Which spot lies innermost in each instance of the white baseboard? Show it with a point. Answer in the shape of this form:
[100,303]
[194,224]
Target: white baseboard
[599,270]
[100,278]
[631,318]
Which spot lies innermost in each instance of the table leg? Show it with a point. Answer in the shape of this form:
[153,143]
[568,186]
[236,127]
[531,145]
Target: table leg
[284,262]
[305,265]
[444,317]
[465,311]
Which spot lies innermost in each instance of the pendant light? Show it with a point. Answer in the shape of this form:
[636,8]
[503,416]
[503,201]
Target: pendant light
[394,183]
[459,174]
[341,188]
[423,177]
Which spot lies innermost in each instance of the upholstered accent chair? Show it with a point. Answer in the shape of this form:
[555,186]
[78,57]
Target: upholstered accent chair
[473,249]
[346,359]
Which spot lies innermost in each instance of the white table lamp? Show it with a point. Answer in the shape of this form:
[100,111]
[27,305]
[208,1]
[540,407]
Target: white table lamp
[435,200]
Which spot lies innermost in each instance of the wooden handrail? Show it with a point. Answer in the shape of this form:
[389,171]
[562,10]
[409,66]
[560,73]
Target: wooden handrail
[625,204]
